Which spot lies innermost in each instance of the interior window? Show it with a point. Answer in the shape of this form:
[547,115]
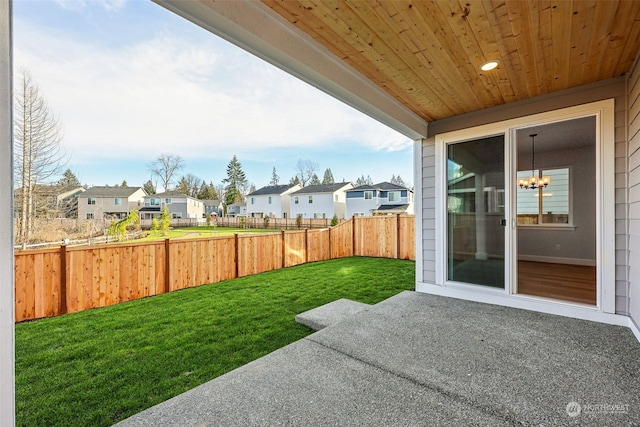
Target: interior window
[545,205]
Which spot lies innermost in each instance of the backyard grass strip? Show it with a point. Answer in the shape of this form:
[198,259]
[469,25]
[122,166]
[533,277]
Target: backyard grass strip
[100,366]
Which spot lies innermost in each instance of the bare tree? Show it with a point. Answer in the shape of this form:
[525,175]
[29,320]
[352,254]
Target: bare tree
[305,169]
[165,167]
[38,152]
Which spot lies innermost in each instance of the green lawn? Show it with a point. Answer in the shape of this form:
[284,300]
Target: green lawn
[208,231]
[100,366]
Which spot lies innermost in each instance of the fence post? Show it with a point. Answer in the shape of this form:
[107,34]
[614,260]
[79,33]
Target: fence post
[167,267]
[236,257]
[306,245]
[63,279]
[398,236]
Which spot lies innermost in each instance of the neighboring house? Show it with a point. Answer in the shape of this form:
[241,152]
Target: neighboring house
[67,202]
[213,207]
[320,201]
[379,199]
[237,209]
[580,97]
[109,202]
[178,204]
[51,201]
[272,201]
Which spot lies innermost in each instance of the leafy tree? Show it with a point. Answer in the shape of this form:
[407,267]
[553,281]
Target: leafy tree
[69,180]
[305,169]
[398,181]
[165,167]
[37,147]
[235,180]
[120,228]
[274,177]
[164,221]
[314,180]
[149,188]
[328,177]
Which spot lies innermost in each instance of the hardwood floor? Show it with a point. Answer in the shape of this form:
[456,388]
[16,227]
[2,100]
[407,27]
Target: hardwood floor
[559,281]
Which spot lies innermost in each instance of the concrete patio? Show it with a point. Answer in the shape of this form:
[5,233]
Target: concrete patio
[418,359]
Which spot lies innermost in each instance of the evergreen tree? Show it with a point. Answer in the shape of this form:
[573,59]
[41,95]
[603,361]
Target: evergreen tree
[328,177]
[398,181]
[294,181]
[364,181]
[314,180]
[124,183]
[207,191]
[235,180]
[69,180]
[183,186]
[274,177]
[149,188]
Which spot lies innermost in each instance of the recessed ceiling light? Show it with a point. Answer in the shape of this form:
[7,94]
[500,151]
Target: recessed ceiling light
[489,65]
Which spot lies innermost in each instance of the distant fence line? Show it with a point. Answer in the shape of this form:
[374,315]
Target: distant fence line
[278,223]
[50,282]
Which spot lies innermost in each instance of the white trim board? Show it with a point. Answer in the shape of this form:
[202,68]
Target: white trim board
[525,302]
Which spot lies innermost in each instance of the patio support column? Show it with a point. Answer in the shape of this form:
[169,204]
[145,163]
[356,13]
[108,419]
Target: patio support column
[481,217]
[7,317]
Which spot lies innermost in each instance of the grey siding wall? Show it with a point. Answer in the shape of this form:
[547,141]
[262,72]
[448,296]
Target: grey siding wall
[429,210]
[633,87]
[613,88]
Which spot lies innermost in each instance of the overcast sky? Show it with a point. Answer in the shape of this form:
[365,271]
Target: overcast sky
[130,80]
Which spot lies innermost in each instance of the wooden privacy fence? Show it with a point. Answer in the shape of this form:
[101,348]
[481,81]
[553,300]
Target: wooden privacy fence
[50,282]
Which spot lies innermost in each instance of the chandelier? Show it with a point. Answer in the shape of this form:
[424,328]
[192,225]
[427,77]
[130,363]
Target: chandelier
[534,181]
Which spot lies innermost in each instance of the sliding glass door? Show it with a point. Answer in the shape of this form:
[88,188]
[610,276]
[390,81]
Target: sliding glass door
[476,212]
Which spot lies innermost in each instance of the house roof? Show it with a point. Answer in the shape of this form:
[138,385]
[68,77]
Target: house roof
[171,193]
[110,191]
[211,202]
[271,190]
[408,63]
[322,188]
[391,208]
[383,186]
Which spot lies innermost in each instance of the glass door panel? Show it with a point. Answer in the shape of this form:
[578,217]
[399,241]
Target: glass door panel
[476,212]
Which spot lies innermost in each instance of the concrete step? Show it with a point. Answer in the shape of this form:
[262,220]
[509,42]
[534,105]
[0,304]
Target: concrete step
[331,313]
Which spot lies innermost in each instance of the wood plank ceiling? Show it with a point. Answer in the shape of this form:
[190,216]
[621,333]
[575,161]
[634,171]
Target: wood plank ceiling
[427,54]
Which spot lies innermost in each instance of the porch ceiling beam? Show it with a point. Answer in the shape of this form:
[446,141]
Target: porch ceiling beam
[257,29]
